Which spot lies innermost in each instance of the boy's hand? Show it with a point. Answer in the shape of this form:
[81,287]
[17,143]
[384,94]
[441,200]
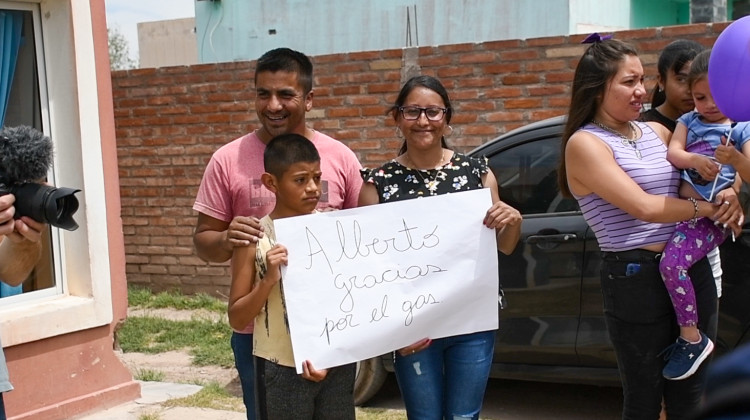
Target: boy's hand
[706,167]
[311,374]
[275,257]
[726,153]
[242,231]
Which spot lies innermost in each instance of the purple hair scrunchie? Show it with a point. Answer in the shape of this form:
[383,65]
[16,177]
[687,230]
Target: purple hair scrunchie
[595,38]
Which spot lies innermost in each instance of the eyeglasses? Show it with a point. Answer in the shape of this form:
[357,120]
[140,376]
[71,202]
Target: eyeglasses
[412,113]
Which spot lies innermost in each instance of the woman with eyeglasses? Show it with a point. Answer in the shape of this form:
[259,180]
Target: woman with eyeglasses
[445,377]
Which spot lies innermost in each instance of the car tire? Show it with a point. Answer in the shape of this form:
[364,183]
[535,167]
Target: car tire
[371,375]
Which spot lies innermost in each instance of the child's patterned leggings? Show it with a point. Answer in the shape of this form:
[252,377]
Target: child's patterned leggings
[689,244]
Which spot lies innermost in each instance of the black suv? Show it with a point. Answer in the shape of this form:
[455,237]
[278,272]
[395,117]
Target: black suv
[553,328]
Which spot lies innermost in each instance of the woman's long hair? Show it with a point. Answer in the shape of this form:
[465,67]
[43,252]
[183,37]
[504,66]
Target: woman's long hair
[673,57]
[595,69]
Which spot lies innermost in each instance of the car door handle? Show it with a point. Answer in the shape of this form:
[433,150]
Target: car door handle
[560,238]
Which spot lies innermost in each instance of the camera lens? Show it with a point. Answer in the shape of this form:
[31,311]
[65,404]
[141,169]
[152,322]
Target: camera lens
[46,204]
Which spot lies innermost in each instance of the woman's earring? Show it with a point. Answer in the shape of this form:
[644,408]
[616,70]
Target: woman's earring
[399,134]
[450,131]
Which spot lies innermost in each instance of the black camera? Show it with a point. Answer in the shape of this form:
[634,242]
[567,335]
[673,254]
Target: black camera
[54,206]
[25,158]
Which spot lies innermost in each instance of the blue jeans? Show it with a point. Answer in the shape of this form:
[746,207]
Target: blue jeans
[448,378]
[641,324]
[2,407]
[242,346]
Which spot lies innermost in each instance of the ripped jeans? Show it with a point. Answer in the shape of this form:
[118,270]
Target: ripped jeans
[447,380]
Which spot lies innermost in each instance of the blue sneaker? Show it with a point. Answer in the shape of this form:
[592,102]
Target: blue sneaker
[683,358]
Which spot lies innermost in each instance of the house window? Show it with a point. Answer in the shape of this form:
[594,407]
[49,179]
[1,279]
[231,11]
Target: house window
[55,89]
[20,105]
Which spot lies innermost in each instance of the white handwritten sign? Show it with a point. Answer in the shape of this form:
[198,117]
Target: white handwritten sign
[365,281]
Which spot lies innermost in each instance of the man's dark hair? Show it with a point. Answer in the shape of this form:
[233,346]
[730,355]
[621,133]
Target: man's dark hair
[285,150]
[288,60]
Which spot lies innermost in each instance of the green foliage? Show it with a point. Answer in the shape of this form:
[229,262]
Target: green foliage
[138,296]
[149,416]
[143,298]
[207,340]
[149,375]
[119,51]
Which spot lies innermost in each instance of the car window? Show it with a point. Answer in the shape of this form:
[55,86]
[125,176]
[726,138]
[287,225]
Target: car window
[527,176]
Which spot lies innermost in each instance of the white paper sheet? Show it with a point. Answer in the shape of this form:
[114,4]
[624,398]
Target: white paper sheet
[366,281]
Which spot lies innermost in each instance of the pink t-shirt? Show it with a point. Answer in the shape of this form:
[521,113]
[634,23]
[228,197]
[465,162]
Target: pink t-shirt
[231,184]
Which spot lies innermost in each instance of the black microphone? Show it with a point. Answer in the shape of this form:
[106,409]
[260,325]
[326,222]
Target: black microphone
[25,159]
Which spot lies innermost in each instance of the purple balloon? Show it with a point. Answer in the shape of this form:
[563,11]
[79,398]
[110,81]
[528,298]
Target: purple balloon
[729,70]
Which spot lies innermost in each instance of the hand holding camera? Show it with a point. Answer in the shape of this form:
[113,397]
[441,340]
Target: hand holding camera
[7,223]
[17,230]
[25,159]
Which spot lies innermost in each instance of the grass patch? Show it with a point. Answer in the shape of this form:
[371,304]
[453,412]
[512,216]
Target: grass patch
[149,375]
[149,416]
[213,396]
[144,298]
[379,414]
[207,340]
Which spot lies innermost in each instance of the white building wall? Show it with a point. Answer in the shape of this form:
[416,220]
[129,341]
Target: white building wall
[238,30]
[167,43]
[599,16]
[230,30]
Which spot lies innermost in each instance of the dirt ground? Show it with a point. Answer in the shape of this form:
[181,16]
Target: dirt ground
[176,365]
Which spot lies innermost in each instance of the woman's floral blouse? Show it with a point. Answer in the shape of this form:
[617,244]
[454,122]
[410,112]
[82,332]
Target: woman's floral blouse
[396,182]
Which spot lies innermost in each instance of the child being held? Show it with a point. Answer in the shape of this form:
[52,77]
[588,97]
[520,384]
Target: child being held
[292,174]
[696,138]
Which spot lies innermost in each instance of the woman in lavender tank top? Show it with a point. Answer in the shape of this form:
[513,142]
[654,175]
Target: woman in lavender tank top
[617,170]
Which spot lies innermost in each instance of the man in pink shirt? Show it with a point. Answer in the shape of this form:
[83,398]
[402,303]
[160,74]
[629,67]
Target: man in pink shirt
[231,198]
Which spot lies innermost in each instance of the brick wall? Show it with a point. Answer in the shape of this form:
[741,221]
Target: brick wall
[170,120]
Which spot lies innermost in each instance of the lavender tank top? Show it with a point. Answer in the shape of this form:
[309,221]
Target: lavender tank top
[615,229]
